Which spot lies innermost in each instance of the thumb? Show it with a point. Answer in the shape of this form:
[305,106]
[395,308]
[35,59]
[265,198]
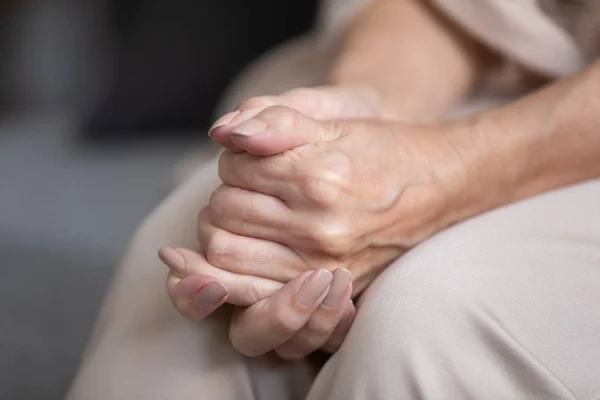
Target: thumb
[278,129]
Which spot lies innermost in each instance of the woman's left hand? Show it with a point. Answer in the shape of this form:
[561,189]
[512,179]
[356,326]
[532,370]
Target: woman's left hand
[312,311]
[344,194]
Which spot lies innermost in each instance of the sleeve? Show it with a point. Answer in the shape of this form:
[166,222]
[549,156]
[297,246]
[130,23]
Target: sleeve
[519,30]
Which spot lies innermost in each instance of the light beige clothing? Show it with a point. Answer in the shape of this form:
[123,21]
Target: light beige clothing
[554,38]
[504,306]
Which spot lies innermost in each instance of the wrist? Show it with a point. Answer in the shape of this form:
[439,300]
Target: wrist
[496,162]
[378,50]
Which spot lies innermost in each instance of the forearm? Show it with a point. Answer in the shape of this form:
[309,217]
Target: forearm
[413,60]
[545,141]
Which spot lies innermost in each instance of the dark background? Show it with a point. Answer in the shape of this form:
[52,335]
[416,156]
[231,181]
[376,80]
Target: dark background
[98,101]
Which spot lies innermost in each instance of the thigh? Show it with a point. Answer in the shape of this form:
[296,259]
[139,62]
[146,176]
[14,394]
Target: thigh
[141,347]
[506,305]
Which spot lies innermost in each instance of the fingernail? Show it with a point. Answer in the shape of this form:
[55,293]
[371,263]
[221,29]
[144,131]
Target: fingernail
[210,295]
[224,120]
[339,287]
[246,114]
[250,127]
[314,287]
[173,259]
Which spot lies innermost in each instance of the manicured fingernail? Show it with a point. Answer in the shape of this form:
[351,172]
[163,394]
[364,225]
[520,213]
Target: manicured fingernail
[339,287]
[250,127]
[224,120]
[173,259]
[210,295]
[314,287]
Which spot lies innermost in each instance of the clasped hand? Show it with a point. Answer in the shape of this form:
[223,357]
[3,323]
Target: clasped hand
[300,198]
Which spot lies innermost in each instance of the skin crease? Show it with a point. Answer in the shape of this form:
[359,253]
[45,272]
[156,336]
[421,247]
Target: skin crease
[316,206]
[484,161]
[439,176]
[359,87]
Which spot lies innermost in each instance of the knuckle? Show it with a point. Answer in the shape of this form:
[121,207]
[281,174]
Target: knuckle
[218,249]
[312,343]
[338,168]
[279,117]
[201,224]
[283,322]
[217,196]
[216,213]
[252,294]
[319,327]
[332,237]
[322,190]
[302,156]
[329,184]
[225,165]
[218,205]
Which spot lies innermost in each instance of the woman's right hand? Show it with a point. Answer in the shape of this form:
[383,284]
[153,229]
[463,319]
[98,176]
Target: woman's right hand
[312,311]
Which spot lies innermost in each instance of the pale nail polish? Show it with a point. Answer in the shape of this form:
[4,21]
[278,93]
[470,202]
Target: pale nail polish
[251,127]
[339,287]
[314,287]
[210,295]
[224,120]
[173,259]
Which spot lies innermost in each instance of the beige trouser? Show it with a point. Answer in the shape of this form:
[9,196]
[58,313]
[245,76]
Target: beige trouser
[504,306]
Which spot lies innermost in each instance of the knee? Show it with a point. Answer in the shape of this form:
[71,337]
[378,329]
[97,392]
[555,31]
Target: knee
[408,321]
[436,289]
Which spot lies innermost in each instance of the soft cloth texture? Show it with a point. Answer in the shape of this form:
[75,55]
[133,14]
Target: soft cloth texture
[489,309]
[555,37]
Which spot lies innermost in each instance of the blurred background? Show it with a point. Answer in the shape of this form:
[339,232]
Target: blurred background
[99,100]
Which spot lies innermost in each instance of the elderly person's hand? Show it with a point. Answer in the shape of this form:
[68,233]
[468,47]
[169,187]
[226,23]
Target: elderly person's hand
[356,196]
[334,195]
[312,311]
[197,288]
[399,183]
[353,195]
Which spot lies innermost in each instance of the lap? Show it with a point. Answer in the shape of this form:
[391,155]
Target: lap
[142,348]
[516,288]
[506,303]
